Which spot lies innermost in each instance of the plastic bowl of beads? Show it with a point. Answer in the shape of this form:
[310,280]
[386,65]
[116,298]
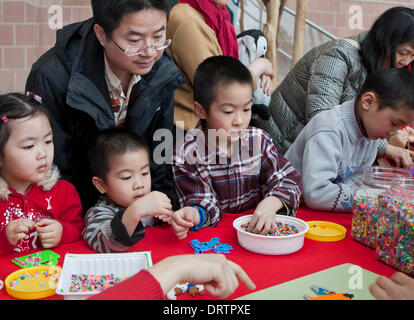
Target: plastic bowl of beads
[287,239]
[86,274]
[33,282]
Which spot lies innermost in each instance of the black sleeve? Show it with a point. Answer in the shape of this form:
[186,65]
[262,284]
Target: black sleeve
[121,234]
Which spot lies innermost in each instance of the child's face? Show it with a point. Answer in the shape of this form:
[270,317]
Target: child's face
[231,110]
[129,177]
[28,154]
[380,124]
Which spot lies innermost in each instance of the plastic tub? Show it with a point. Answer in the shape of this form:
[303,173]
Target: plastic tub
[272,245]
[119,264]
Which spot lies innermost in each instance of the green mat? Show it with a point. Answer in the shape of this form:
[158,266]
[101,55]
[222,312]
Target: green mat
[345,278]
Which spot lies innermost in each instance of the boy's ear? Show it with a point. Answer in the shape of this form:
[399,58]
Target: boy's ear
[200,111]
[368,99]
[99,184]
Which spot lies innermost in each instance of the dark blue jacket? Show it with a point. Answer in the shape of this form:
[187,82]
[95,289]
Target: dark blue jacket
[70,78]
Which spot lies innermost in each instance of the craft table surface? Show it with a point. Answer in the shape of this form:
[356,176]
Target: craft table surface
[265,271]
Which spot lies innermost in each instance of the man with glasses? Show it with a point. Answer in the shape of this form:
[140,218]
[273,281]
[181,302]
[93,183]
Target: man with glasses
[110,70]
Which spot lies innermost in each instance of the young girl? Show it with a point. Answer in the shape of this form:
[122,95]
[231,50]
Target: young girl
[38,209]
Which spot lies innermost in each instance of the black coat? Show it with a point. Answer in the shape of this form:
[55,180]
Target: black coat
[70,78]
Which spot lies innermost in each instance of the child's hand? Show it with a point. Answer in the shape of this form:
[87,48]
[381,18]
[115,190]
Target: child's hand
[263,220]
[18,229]
[398,287]
[402,157]
[182,220]
[50,232]
[403,138]
[164,218]
[153,204]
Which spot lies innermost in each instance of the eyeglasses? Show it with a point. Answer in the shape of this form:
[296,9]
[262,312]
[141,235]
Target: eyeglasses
[133,51]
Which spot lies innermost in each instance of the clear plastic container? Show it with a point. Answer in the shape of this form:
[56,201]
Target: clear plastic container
[365,205]
[395,245]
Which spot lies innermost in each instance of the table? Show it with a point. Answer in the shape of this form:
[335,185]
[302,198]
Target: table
[265,271]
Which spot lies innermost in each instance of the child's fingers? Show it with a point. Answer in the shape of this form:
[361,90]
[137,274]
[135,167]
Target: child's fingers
[183,221]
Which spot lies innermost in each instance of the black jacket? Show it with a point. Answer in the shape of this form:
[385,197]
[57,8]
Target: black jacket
[70,78]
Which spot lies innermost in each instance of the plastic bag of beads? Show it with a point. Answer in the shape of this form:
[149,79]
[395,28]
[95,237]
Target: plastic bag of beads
[395,245]
[365,204]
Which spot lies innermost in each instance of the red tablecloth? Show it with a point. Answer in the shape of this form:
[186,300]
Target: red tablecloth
[265,271]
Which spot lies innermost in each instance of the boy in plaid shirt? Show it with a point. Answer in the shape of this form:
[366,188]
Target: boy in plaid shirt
[223,165]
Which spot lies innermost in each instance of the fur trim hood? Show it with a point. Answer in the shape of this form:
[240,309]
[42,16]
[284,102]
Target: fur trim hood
[48,182]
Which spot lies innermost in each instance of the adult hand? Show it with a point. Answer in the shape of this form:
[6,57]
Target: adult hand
[266,84]
[261,66]
[398,287]
[219,276]
[401,157]
[18,229]
[50,232]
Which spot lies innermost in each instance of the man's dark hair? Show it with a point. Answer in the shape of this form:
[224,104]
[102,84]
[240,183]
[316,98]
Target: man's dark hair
[218,71]
[110,143]
[394,88]
[109,13]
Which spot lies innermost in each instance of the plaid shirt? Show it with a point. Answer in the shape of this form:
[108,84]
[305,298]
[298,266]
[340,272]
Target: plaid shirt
[206,177]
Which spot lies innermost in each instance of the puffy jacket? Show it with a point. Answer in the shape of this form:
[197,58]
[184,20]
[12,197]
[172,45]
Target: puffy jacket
[325,77]
[70,78]
[49,199]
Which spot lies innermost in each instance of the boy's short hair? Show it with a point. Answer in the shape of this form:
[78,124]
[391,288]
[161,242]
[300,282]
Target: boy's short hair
[394,88]
[217,71]
[110,143]
[109,13]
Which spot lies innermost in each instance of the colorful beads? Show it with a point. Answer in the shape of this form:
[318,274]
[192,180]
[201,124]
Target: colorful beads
[365,220]
[34,279]
[91,282]
[282,229]
[30,260]
[395,245]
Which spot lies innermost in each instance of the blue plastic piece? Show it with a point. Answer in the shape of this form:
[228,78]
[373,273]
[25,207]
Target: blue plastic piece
[213,244]
[223,248]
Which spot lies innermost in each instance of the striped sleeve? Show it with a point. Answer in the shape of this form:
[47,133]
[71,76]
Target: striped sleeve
[104,233]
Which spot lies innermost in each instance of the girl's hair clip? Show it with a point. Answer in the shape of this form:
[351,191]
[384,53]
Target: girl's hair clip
[4,118]
[34,96]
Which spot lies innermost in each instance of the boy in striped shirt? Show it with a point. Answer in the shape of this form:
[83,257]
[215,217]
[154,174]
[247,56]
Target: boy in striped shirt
[223,165]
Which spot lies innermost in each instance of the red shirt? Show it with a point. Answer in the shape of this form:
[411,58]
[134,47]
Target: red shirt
[61,203]
[141,286]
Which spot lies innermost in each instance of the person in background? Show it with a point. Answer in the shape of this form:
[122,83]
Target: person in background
[109,71]
[334,72]
[201,29]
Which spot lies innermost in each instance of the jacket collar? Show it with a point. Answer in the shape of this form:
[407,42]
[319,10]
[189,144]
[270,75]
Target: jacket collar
[48,182]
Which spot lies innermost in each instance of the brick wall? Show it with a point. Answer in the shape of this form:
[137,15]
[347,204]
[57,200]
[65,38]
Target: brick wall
[25,32]
[334,15]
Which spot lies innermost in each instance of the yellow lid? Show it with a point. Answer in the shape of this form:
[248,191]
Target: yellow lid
[33,283]
[325,231]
